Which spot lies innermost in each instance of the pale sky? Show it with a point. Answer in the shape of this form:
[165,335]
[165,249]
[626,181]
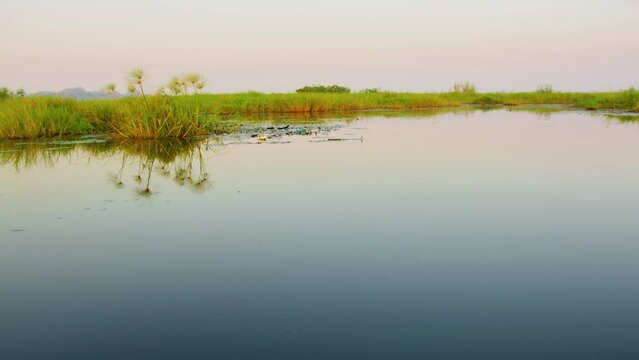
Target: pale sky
[280,45]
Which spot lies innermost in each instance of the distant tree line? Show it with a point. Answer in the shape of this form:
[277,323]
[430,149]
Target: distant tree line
[332,89]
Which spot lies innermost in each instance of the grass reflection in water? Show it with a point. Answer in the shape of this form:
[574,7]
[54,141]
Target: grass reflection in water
[180,160]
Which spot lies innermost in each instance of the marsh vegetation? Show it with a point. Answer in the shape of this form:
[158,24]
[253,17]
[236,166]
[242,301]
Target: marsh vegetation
[181,110]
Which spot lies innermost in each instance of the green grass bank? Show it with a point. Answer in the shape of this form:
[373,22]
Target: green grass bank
[163,116]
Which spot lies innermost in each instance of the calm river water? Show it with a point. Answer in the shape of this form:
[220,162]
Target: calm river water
[464,235]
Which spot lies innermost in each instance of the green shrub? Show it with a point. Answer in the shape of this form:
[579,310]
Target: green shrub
[4,93]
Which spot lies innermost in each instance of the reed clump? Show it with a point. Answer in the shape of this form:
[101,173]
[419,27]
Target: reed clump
[464,88]
[155,118]
[545,89]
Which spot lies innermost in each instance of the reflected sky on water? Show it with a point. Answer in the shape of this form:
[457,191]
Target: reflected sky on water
[473,234]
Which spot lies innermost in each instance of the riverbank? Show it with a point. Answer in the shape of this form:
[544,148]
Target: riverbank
[161,116]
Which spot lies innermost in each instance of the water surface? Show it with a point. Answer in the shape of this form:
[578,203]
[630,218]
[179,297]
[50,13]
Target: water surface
[473,234]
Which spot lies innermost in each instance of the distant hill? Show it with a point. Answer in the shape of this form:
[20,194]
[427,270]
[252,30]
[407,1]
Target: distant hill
[78,94]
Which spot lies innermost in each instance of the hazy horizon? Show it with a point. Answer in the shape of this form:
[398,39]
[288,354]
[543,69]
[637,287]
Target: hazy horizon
[406,45]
